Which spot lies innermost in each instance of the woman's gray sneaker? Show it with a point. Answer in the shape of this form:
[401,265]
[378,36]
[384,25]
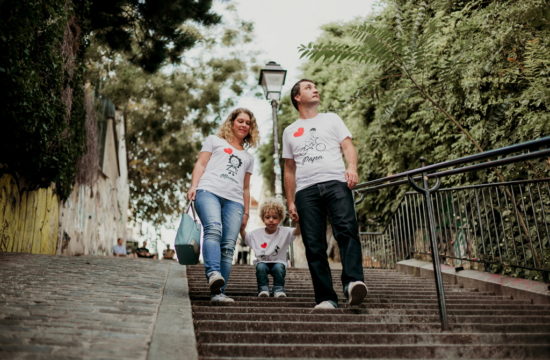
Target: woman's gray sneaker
[215,282]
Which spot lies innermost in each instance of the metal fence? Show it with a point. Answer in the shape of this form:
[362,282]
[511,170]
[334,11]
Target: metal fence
[502,227]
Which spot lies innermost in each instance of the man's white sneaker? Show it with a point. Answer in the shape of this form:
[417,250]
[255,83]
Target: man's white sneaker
[215,282]
[325,305]
[222,298]
[279,294]
[263,294]
[357,290]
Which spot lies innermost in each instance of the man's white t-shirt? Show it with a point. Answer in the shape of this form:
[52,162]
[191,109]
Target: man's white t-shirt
[270,248]
[225,171]
[314,144]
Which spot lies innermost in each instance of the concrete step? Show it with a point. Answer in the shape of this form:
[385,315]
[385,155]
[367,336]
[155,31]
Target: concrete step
[300,310]
[377,351]
[297,302]
[377,296]
[296,326]
[369,338]
[397,318]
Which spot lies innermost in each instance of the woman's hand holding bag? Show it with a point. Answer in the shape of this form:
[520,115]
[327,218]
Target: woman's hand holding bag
[188,238]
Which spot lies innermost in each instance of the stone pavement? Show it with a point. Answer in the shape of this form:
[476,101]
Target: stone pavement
[57,307]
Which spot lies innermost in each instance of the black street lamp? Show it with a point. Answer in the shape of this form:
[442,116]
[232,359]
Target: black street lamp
[272,79]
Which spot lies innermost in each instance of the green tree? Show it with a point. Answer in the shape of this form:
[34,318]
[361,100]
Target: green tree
[149,32]
[169,112]
[42,73]
[438,79]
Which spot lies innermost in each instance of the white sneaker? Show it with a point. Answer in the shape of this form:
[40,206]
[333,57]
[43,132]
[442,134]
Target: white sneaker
[215,282]
[222,298]
[325,305]
[263,294]
[357,290]
[279,294]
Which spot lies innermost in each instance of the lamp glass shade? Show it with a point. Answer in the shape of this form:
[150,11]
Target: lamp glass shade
[272,79]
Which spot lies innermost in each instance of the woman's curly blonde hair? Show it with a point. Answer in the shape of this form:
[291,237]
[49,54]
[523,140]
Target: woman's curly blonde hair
[275,205]
[226,129]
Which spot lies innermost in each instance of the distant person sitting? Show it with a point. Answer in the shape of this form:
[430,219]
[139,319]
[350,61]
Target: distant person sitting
[168,253]
[119,249]
[143,252]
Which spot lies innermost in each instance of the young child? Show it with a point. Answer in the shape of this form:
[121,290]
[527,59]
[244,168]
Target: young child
[270,245]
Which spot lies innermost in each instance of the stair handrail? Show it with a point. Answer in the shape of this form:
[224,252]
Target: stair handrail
[393,180]
[426,173]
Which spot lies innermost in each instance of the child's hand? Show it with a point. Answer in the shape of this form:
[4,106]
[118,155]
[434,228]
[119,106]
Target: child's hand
[293,212]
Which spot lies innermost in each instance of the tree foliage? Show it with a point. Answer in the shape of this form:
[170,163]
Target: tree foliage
[42,72]
[439,80]
[168,113]
[149,32]
[42,102]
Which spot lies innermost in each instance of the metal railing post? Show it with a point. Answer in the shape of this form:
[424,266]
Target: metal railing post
[427,192]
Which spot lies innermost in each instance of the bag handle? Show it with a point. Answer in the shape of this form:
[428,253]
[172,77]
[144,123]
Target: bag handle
[192,206]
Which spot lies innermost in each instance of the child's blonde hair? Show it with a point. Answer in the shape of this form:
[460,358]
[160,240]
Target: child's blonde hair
[226,129]
[273,205]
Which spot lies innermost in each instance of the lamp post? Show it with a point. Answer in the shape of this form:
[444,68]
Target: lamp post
[272,79]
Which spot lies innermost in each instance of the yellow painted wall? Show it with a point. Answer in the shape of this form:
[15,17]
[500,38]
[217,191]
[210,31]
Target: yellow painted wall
[29,221]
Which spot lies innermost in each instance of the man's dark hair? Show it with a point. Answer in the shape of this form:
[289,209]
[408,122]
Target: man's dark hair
[296,91]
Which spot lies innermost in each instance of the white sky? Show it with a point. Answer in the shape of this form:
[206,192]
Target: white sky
[280,26]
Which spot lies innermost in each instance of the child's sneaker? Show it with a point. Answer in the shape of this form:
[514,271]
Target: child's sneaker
[215,282]
[327,304]
[221,298]
[357,290]
[279,294]
[263,294]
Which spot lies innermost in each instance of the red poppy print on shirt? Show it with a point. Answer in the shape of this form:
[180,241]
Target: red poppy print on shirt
[299,132]
[264,245]
[228,150]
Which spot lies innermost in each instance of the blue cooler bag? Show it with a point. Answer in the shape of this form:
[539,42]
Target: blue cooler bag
[188,238]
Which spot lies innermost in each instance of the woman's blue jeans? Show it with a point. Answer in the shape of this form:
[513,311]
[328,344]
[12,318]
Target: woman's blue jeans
[277,270]
[221,221]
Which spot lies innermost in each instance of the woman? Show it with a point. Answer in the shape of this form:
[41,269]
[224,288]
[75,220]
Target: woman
[220,186]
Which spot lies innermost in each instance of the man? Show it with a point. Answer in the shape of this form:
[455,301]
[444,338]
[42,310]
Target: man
[143,252]
[168,254]
[317,185]
[119,249]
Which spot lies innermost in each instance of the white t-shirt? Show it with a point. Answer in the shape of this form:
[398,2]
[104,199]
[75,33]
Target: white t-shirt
[314,144]
[270,248]
[225,171]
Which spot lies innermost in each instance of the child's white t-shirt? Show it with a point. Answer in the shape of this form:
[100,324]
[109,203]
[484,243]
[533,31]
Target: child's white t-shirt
[314,144]
[270,248]
[225,171]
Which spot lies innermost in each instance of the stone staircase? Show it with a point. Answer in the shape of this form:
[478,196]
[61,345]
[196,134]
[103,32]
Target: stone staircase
[398,320]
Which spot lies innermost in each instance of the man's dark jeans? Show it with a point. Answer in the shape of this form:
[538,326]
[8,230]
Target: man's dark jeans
[314,203]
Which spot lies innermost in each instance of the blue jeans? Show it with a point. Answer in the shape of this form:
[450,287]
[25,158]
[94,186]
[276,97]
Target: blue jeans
[314,203]
[277,270]
[221,221]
